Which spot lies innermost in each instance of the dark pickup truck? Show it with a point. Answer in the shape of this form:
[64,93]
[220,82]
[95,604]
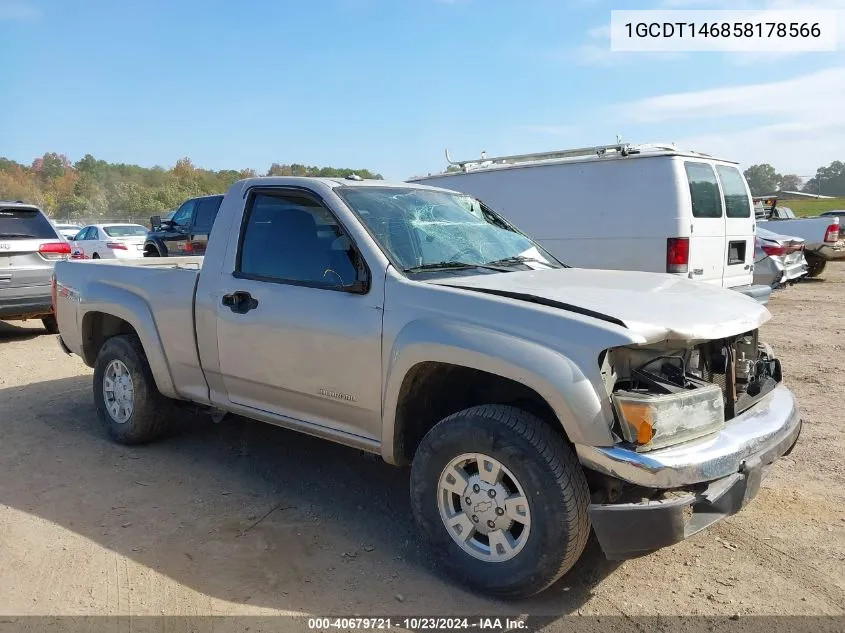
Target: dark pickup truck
[186,231]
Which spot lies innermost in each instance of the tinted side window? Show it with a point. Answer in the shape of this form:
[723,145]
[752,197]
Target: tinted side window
[736,195]
[293,238]
[206,212]
[87,234]
[183,216]
[25,224]
[704,191]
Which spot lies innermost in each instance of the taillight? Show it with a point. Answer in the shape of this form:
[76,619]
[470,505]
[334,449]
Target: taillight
[774,250]
[832,233]
[54,250]
[116,246]
[677,255]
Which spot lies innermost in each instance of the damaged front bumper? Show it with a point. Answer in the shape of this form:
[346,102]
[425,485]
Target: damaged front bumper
[710,478]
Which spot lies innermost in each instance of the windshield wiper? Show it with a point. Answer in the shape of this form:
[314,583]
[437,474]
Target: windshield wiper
[8,236]
[521,259]
[453,266]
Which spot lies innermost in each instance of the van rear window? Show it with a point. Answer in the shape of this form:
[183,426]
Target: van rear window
[736,194]
[704,191]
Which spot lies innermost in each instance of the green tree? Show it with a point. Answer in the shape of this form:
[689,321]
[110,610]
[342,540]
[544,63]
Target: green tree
[828,181]
[790,182]
[762,179]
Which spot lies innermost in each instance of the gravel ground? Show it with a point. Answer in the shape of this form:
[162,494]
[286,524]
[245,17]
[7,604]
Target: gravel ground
[245,518]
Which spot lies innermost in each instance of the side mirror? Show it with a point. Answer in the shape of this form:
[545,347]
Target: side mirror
[155,222]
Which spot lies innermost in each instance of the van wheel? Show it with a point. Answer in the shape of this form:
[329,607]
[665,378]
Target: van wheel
[127,400]
[50,324]
[501,499]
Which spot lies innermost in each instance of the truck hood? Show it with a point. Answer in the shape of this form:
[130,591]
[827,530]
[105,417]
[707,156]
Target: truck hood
[655,306]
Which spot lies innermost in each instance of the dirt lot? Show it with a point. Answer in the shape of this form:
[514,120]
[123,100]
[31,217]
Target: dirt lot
[244,518]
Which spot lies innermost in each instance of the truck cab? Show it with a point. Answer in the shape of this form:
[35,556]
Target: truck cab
[185,231]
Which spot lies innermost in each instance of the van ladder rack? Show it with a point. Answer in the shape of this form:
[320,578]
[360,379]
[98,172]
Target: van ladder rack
[622,149]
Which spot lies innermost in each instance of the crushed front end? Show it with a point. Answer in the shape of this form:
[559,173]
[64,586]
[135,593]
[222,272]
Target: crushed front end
[697,427]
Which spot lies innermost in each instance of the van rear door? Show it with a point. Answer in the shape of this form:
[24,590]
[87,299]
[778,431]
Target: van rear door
[707,241]
[739,227]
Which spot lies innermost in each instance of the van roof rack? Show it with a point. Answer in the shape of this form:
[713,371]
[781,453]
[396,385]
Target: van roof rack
[617,149]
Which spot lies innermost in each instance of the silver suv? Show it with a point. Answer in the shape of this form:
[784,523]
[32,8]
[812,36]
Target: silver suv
[30,246]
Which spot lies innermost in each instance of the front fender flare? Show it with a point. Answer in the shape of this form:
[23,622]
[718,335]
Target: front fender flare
[556,378]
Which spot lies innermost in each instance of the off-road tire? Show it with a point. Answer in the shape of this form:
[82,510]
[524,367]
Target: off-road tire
[50,324]
[151,412]
[554,483]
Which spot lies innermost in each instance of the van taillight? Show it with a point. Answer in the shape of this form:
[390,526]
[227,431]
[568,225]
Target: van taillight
[832,233]
[677,255]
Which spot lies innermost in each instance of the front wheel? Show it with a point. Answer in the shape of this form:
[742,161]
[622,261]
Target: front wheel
[127,400]
[502,500]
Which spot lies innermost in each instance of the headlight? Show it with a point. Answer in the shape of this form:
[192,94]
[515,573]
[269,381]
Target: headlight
[655,421]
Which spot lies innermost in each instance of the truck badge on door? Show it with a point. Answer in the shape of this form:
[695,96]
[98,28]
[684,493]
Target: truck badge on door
[336,395]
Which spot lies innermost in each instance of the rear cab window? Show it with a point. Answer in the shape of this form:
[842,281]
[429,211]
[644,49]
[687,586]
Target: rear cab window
[704,190]
[25,224]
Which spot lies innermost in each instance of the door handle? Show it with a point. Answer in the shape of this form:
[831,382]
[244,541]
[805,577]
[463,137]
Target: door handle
[240,301]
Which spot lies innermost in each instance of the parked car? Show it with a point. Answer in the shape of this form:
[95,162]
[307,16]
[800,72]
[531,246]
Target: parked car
[30,246]
[67,231]
[652,208]
[778,259]
[185,231]
[109,241]
[533,400]
[822,242]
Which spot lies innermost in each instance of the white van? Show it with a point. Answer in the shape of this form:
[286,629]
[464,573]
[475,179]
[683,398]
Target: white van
[647,207]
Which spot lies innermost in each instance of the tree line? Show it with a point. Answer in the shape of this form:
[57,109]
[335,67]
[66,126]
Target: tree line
[90,188]
[829,181]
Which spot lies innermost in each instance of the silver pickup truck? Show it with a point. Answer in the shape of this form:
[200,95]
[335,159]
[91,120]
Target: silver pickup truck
[533,401]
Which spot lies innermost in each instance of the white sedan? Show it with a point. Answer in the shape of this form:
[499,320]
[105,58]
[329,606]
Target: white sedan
[109,241]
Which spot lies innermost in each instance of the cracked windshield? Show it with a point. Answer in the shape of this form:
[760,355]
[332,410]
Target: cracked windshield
[432,230]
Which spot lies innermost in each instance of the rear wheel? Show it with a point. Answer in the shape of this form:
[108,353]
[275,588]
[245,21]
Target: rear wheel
[502,500]
[50,324]
[127,400]
[95,256]
[815,264]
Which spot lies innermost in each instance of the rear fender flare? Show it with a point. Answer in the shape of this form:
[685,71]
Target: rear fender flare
[132,309]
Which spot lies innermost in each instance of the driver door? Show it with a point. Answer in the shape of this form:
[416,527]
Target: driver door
[296,337]
[176,237]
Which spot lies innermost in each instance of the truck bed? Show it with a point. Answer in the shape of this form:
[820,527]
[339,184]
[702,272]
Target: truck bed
[154,295]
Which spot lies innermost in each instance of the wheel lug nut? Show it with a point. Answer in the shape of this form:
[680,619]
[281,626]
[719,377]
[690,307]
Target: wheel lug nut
[468,500]
[476,488]
[491,493]
[475,518]
[490,524]
[499,511]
